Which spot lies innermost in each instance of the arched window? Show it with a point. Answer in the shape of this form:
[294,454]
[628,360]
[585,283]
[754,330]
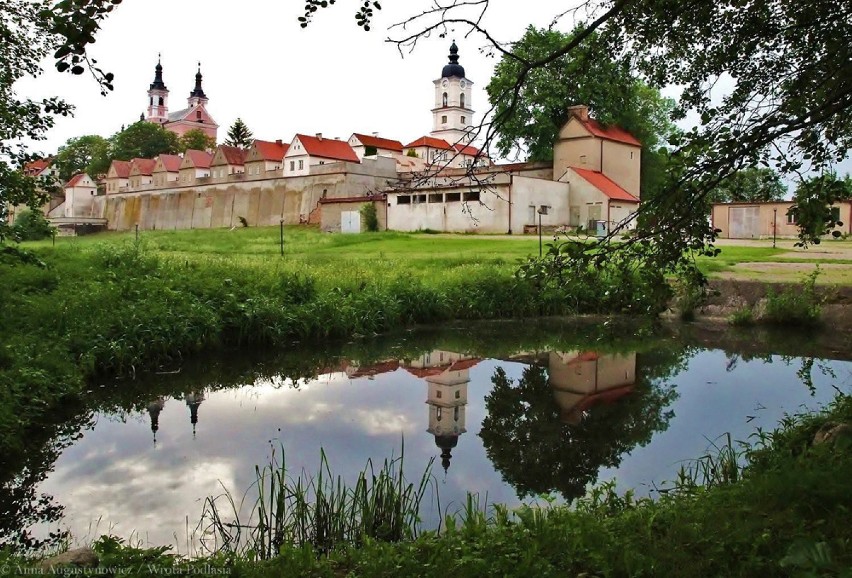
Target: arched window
[445,99]
[152,101]
[461,100]
[161,101]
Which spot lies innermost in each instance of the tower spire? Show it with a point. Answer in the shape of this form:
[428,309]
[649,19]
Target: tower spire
[158,83]
[198,92]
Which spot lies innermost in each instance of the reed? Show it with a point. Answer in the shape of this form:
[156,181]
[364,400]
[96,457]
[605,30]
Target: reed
[320,511]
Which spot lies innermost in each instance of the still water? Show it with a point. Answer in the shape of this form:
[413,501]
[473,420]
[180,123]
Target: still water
[506,410]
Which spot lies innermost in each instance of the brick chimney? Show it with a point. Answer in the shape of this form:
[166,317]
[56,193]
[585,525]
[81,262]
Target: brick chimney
[278,141]
[319,135]
[581,111]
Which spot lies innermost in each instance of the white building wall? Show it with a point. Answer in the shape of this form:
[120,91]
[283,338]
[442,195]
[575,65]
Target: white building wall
[528,194]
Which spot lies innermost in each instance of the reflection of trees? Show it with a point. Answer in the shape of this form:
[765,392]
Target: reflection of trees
[528,442]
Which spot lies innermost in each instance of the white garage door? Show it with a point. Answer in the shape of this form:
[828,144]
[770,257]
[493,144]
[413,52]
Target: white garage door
[350,222]
[744,222]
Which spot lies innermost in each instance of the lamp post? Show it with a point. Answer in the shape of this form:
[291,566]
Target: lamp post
[282,237]
[542,210]
[774,224]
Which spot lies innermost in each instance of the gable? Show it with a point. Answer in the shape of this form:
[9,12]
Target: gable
[574,129]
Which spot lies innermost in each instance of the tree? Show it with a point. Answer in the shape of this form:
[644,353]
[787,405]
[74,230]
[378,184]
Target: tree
[813,209]
[239,135]
[751,185]
[536,451]
[590,75]
[88,153]
[143,140]
[196,139]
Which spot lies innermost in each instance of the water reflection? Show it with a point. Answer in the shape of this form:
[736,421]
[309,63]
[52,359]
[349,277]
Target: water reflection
[506,413]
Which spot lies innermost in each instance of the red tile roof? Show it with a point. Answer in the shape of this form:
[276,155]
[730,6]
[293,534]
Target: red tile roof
[328,148]
[428,141]
[233,155]
[171,162]
[199,159]
[378,142]
[75,180]
[463,364]
[466,149]
[271,151]
[35,167]
[608,132]
[122,168]
[376,369]
[605,185]
[144,166]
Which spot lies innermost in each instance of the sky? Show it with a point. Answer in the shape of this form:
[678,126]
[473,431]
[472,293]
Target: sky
[260,65]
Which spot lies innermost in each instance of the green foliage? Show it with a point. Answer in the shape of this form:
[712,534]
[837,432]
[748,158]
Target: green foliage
[751,185]
[239,135]
[795,305]
[815,216]
[143,140]
[31,226]
[589,75]
[411,153]
[89,154]
[195,139]
[370,215]
[742,317]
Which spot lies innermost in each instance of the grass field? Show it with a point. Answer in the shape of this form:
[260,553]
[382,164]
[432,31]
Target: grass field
[422,255]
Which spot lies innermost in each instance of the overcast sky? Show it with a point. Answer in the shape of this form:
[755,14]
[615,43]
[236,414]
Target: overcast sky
[260,65]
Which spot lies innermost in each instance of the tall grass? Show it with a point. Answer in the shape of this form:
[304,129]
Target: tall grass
[319,511]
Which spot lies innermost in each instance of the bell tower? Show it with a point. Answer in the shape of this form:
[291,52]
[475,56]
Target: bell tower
[197,96]
[452,117]
[158,97]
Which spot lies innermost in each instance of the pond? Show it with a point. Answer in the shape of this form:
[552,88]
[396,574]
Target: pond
[509,410]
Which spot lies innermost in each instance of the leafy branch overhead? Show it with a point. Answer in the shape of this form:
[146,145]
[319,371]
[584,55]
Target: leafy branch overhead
[363,17]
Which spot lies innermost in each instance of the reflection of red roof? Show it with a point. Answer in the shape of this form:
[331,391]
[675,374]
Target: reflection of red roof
[171,162]
[233,155]
[75,180]
[378,142]
[144,166]
[605,185]
[463,364]
[376,369]
[606,396]
[122,169]
[271,151]
[199,159]
[328,148]
[428,141]
[35,167]
[423,372]
[609,133]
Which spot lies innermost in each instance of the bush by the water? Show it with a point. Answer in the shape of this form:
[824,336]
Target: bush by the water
[31,226]
[799,305]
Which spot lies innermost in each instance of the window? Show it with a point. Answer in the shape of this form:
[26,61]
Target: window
[461,100]
[444,99]
[301,164]
[456,413]
[438,414]
[161,101]
[451,197]
[403,200]
[458,394]
[292,165]
[631,154]
[438,394]
[792,217]
[835,214]
[436,198]
[471,196]
[444,119]
[152,101]
[198,114]
[582,159]
[370,151]
[463,120]
[419,198]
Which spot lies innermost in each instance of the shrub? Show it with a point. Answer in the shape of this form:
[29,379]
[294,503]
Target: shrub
[795,305]
[31,226]
[742,317]
[370,216]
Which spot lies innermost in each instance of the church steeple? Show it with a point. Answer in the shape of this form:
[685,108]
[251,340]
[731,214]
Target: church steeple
[154,409]
[197,96]
[452,117]
[158,97]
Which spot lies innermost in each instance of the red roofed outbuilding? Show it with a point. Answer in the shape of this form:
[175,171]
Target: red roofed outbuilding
[227,160]
[141,172]
[307,151]
[264,156]
[195,165]
[374,145]
[118,177]
[167,169]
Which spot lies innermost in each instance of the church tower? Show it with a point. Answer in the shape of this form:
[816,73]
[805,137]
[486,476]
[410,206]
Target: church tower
[197,96]
[452,117]
[158,97]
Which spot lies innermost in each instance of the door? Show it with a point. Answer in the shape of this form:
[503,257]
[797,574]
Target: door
[743,222]
[350,222]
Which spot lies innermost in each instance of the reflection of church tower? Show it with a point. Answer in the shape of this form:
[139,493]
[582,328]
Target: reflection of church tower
[582,379]
[154,409]
[193,400]
[447,397]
